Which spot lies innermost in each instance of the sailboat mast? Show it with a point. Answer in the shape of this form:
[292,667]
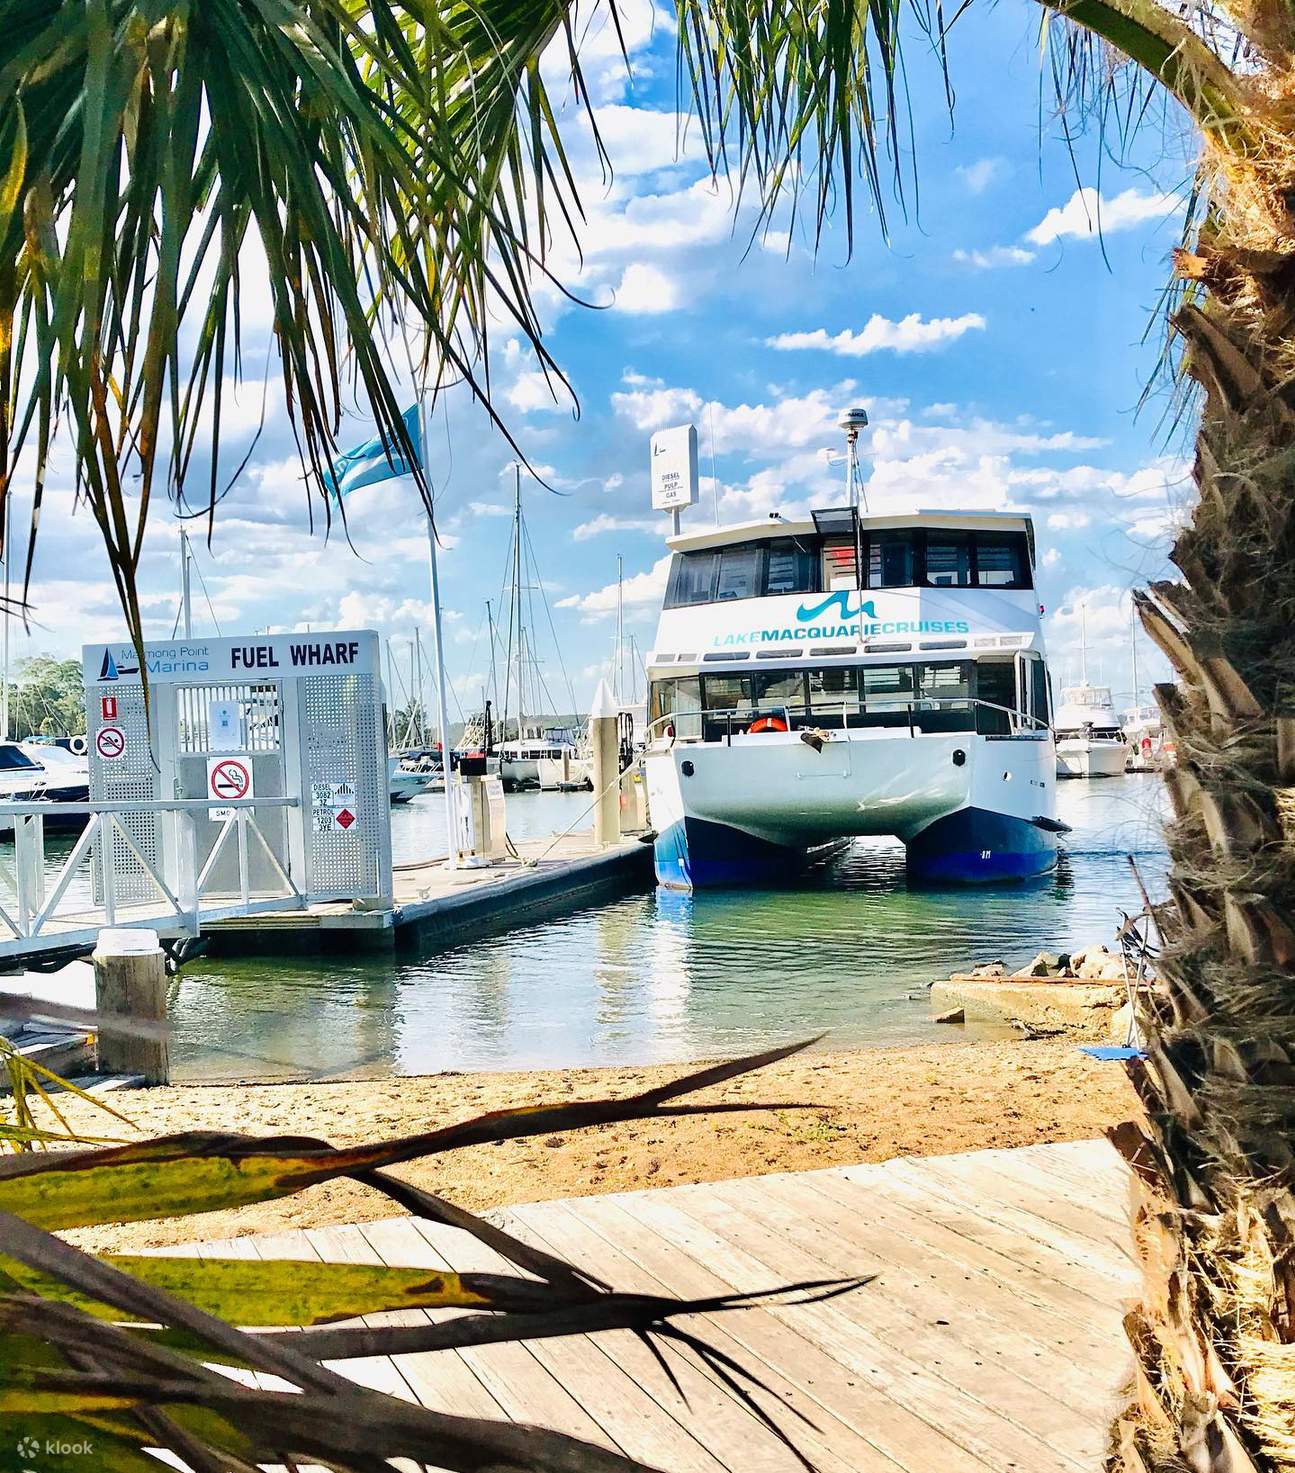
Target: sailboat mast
[186,597]
[517,595]
[1133,643]
[1083,644]
[618,670]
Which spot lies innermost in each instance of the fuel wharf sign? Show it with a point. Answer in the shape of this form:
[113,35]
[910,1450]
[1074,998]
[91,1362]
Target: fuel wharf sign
[212,661]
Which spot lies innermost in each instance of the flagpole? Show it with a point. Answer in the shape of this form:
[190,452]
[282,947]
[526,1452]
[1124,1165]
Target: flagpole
[442,698]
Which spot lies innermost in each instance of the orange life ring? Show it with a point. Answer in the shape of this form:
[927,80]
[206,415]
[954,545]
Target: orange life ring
[766,723]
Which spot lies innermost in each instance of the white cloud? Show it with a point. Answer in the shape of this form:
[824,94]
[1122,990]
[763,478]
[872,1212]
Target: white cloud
[604,523]
[912,334]
[1086,212]
[536,392]
[642,591]
[980,175]
[645,289]
[995,256]
[1066,521]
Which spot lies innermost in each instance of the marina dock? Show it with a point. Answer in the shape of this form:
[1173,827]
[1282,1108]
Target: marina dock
[431,905]
[436,906]
[990,1340]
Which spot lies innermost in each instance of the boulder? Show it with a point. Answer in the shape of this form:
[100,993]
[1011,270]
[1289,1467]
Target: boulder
[954,1015]
[986,970]
[1045,964]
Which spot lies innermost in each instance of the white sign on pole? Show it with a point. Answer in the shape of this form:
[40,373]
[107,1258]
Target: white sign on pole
[227,778]
[674,468]
[225,726]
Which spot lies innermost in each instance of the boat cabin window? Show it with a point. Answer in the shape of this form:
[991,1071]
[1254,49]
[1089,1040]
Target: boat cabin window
[13,758]
[739,573]
[934,696]
[948,559]
[692,579]
[889,560]
[1001,560]
[790,567]
[749,570]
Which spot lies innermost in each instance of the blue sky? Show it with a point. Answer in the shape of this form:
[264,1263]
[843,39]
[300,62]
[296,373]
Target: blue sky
[999,345]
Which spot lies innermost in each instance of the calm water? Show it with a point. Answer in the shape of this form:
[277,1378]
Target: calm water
[662,976]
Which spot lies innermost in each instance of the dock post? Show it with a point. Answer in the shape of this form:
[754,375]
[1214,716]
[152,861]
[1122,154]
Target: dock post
[605,741]
[130,982]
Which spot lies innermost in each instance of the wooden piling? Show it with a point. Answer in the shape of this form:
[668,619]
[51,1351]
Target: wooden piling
[130,982]
[603,738]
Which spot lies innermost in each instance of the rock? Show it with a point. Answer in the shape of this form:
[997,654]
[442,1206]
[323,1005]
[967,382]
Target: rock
[954,1015]
[1121,1023]
[989,969]
[1043,965]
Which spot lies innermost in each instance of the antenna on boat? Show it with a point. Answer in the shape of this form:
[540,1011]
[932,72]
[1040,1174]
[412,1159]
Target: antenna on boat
[852,421]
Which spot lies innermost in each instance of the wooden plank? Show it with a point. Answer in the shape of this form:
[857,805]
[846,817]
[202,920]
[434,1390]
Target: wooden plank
[732,1432]
[973,1310]
[629,1417]
[935,1203]
[878,1363]
[441,1380]
[1055,1312]
[1100,1195]
[993,1399]
[1095,1257]
[786,1350]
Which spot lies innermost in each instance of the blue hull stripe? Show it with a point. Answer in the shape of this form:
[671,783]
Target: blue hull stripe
[977,847]
[970,847]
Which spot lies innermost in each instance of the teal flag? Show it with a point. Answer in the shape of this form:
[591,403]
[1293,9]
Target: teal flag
[375,460]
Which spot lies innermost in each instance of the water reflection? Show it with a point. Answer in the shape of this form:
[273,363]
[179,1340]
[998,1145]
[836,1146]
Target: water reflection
[663,975]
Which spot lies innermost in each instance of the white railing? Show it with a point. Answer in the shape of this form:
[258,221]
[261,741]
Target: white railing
[181,901]
[737,719]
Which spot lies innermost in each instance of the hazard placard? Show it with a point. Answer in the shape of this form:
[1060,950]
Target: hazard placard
[110,742]
[108,708]
[336,811]
[228,778]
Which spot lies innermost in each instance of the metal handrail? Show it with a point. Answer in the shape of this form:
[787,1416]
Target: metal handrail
[182,897]
[923,703]
[173,805]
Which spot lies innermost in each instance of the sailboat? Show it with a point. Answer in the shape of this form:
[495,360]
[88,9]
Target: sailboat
[538,756]
[1089,740]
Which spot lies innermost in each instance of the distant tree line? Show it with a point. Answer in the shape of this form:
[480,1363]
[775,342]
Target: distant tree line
[46,698]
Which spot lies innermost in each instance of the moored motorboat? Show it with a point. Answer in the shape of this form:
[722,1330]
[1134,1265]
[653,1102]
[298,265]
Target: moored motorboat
[844,674]
[1089,740]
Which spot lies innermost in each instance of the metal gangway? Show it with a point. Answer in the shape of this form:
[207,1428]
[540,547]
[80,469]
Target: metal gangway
[56,904]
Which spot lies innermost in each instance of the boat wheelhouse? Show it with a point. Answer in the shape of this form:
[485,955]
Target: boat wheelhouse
[845,675]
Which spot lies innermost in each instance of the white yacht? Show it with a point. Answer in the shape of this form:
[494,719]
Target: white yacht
[1089,740]
[1144,739]
[851,674]
[42,771]
[539,758]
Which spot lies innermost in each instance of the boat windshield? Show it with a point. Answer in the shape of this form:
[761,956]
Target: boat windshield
[931,696]
[13,758]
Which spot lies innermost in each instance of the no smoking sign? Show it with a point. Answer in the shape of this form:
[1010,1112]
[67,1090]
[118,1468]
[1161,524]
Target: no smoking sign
[228,778]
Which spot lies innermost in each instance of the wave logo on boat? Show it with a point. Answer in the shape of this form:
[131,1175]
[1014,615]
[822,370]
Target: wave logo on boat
[841,602]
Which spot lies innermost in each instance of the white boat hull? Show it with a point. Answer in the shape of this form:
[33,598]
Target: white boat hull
[1091,758]
[968,808]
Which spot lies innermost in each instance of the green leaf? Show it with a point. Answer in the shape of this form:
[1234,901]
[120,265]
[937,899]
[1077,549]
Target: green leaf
[283,1291]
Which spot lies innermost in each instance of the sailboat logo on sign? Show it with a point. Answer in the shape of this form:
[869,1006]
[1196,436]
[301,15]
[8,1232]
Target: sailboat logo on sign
[110,670]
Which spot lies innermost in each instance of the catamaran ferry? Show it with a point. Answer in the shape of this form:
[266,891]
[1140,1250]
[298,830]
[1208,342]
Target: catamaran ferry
[852,674]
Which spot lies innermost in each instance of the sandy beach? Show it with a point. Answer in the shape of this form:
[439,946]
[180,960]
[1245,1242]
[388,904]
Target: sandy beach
[865,1105]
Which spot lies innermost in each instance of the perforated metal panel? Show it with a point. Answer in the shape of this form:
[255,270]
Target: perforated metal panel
[343,743]
[130,778]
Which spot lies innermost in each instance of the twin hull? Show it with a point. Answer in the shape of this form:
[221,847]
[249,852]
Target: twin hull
[969,808]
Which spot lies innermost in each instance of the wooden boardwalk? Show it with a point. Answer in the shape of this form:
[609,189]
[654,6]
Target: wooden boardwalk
[990,1340]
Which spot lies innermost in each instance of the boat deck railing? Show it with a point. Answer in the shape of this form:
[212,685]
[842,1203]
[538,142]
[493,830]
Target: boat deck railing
[849,715]
[50,908]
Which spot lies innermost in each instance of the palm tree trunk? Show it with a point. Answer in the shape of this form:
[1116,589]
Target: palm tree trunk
[1214,1384]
